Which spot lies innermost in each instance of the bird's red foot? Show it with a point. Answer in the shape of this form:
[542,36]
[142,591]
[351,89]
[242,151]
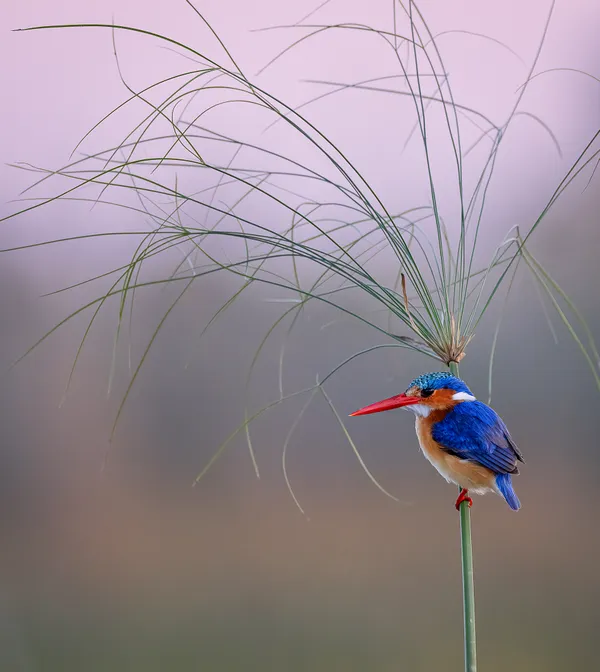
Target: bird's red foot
[463,497]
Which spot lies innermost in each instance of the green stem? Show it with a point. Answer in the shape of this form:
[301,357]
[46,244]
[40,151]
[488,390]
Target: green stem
[468,577]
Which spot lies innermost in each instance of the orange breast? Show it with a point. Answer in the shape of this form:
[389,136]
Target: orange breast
[464,473]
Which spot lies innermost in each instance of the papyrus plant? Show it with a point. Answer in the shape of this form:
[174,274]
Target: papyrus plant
[286,206]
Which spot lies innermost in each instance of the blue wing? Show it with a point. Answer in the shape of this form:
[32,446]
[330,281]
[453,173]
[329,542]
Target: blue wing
[473,431]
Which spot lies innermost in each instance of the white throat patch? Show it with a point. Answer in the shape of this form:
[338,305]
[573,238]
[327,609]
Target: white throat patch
[463,396]
[419,409]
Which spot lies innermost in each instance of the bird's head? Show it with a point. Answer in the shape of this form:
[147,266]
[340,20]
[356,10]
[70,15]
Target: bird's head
[427,393]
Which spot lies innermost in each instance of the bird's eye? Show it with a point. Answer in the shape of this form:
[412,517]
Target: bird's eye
[426,393]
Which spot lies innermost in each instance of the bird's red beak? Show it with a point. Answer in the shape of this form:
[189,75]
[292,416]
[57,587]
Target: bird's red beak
[387,404]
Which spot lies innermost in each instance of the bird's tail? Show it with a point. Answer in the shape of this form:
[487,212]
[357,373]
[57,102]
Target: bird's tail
[505,487]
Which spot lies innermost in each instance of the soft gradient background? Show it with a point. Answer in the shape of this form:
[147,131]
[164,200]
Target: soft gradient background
[131,568]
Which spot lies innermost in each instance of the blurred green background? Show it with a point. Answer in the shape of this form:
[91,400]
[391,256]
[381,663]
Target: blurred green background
[129,568]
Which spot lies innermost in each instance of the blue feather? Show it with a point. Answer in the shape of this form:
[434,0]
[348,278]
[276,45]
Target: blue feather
[474,431]
[504,483]
[438,381]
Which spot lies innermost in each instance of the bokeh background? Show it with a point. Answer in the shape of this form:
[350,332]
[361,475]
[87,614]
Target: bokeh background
[129,568]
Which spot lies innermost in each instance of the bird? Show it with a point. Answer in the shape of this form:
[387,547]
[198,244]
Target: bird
[463,438]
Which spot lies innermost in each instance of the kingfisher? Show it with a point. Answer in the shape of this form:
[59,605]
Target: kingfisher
[464,439]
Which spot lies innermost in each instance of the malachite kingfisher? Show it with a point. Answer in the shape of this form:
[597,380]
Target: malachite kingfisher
[464,439]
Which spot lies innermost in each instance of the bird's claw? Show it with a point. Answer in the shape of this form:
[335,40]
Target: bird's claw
[463,497]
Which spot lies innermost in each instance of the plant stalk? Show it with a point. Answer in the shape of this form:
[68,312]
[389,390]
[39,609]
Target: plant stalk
[467,577]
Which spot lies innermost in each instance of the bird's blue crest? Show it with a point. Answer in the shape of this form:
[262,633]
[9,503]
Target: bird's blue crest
[438,381]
